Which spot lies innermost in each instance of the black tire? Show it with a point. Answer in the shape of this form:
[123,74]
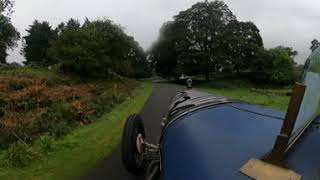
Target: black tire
[131,158]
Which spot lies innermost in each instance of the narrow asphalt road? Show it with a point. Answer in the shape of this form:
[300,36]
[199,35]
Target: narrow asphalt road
[155,108]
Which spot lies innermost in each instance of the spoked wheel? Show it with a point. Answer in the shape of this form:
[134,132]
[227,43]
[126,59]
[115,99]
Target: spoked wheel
[132,139]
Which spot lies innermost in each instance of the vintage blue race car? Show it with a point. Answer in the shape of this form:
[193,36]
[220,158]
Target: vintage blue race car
[213,138]
[207,137]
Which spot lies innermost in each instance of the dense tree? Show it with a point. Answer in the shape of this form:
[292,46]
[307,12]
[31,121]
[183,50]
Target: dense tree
[292,53]
[139,63]
[274,66]
[240,42]
[164,52]
[205,38]
[97,49]
[37,42]
[8,33]
[71,24]
[6,6]
[79,52]
[205,23]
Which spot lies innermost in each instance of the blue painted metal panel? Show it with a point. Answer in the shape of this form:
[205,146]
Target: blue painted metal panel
[213,143]
[260,110]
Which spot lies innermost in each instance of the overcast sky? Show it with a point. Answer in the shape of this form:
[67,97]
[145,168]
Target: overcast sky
[281,22]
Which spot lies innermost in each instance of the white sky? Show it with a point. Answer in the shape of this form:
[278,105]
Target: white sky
[281,22]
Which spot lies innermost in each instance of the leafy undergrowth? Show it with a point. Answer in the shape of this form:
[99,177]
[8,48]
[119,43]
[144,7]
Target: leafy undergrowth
[240,89]
[79,151]
[36,103]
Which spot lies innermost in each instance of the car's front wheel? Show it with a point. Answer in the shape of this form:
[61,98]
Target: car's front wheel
[132,156]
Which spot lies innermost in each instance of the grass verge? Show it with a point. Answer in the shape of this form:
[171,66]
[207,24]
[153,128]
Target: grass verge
[275,98]
[81,150]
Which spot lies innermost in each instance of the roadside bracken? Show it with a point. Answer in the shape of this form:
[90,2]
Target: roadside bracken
[32,104]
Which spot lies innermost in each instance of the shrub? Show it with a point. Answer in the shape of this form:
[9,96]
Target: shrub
[58,120]
[60,129]
[103,103]
[19,154]
[274,66]
[46,143]
[117,96]
[12,134]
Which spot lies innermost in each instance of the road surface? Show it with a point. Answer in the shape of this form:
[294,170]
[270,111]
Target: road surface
[155,108]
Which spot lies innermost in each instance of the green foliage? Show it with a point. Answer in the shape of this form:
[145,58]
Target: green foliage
[8,36]
[238,88]
[19,154]
[165,53]
[107,99]
[81,150]
[204,24]
[57,121]
[37,42]
[241,40]
[205,38]
[97,48]
[11,135]
[274,66]
[46,144]
[6,5]
[79,52]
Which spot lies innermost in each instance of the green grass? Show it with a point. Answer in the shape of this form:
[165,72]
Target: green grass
[80,151]
[271,97]
[31,71]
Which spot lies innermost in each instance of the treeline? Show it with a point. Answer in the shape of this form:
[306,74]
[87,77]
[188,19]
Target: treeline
[207,38]
[204,39]
[92,49]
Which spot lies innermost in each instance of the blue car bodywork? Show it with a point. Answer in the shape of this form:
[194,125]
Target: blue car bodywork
[207,137]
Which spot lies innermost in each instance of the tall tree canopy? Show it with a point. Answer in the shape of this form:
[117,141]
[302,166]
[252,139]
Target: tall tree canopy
[6,6]
[240,43]
[205,38]
[165,50]
[37,42]
[204,24]
[208,38]
[97,48]
[8,33]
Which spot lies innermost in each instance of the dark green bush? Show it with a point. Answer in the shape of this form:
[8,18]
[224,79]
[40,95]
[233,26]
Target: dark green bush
[117,97]
[11,135]
[57,121]
[273,67]
[103,103]
[46,143]
[19,154]
[61,129]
